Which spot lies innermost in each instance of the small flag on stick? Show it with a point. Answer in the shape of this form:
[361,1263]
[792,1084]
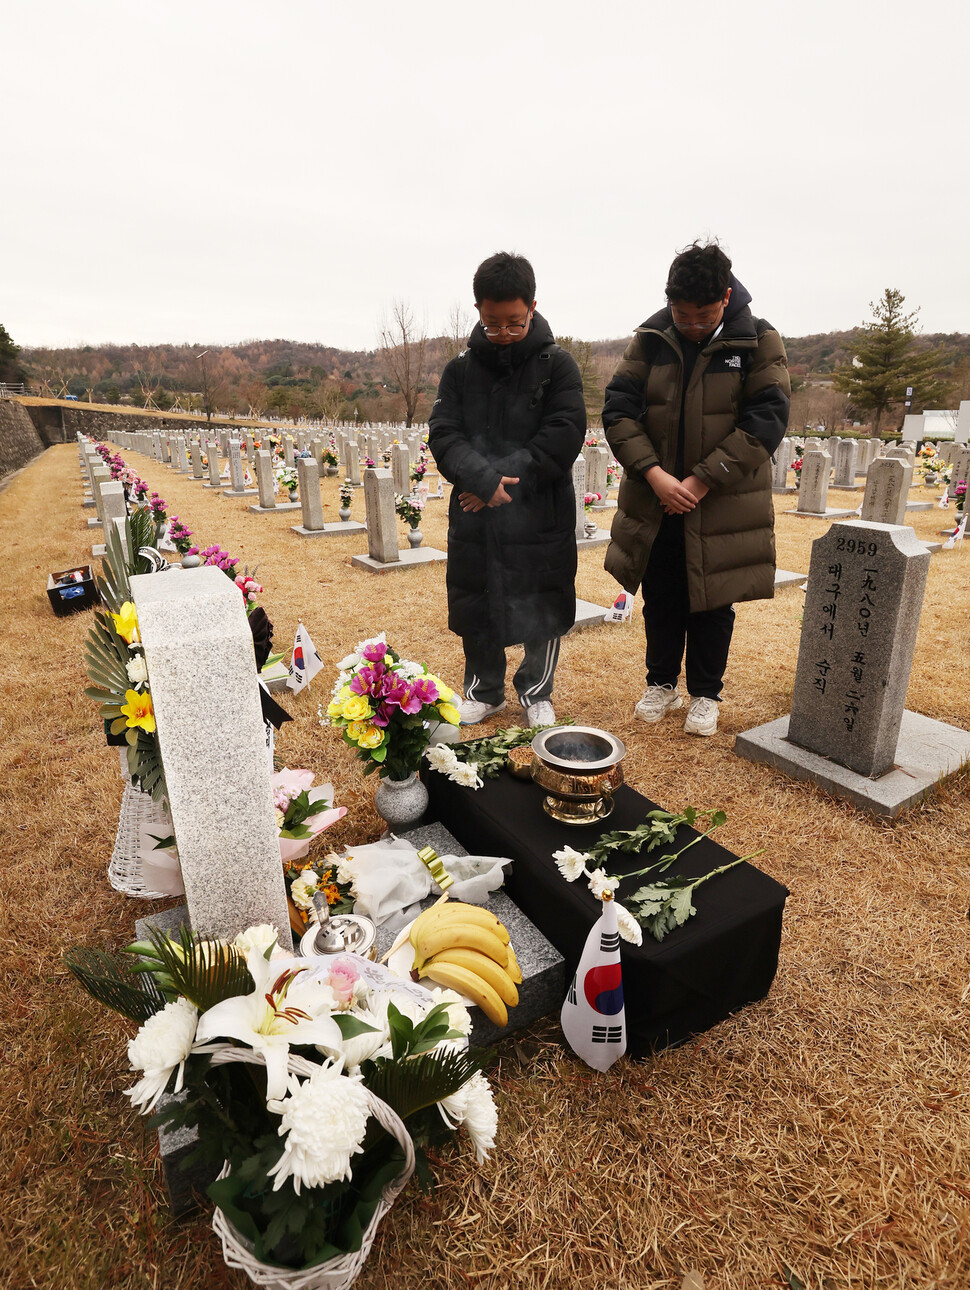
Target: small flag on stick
[593,1019]
[956,535]
[305,663]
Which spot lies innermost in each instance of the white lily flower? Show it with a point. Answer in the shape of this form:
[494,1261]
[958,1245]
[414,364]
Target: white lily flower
[282,1010]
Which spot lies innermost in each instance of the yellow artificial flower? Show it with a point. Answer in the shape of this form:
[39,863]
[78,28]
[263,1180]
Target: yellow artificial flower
[448,712]
[334,708]
[443,690]
[371,737]
[356,729]
[126,623]
[356,708]
[139,711]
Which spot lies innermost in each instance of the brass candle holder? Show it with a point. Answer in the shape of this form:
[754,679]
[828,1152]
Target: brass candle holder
[579,769]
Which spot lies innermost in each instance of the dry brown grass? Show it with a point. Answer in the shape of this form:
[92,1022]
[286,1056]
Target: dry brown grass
[824,1130]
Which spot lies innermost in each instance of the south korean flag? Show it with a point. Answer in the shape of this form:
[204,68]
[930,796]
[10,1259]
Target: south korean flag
[305,663]
[592,1017]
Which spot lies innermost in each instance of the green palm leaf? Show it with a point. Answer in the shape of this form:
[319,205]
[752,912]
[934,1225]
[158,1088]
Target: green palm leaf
[204,973]
[410,1086]
[113,985]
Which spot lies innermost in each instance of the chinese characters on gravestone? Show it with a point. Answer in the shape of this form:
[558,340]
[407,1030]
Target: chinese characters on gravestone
[862,608]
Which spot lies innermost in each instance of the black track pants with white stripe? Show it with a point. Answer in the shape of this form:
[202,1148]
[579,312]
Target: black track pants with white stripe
[485,670]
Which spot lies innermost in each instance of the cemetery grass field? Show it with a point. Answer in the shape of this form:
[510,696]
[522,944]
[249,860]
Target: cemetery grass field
[818,1139]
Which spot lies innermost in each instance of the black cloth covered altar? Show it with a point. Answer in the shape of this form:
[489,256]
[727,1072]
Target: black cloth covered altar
[721,959]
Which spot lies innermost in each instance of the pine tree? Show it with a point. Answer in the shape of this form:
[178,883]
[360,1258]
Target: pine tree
[9,367]
[887,362]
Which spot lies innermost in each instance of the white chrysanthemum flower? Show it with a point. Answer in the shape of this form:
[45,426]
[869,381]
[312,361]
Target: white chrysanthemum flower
[405,667]
[627,925]
[600,883]
[161,1046]
[379,639]
[474,1107]
[571,863]
[137,669]
[324,1122]
[347,663]
[345,869]
[465,773]
[262,937]
[442,758]
[459,1018]
[304,888]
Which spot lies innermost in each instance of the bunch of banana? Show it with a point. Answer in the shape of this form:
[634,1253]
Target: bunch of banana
[466,948]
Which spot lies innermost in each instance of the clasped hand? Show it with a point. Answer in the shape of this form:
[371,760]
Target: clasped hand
[471,502]
[676,496]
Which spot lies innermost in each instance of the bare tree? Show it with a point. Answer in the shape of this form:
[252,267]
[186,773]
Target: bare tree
[331,399]
[457,331]
[403,351]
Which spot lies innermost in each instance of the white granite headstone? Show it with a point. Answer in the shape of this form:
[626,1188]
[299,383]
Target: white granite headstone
[199,651]
[380,519]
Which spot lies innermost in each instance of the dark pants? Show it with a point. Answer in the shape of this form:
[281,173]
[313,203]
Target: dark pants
[670,625]
[485,670]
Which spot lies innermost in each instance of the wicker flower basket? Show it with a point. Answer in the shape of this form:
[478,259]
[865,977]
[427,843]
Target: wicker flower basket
[140,817]
[335,1274]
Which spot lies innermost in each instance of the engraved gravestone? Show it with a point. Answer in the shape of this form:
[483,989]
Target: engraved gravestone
[780,465]
[813,483]
[862,609]
[197,467]
[198,644]
[353,466]
[265,480]
[380,516]
[961,469]
[887,489]
[401,468]
[236,467]
[845,453]
[579,488]
[310,499]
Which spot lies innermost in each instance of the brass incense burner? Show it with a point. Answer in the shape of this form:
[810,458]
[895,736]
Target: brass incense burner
[579,768]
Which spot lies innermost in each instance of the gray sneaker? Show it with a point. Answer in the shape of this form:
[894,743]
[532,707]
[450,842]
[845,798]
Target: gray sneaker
[540,713]
[471,711]
[657,701]
[702,717]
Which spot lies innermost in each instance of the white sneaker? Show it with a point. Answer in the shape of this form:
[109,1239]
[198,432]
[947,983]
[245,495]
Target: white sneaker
[657,701]
[471,711]
[540,713]
[701,717]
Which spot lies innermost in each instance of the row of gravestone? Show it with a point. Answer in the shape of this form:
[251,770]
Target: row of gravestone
[848,729]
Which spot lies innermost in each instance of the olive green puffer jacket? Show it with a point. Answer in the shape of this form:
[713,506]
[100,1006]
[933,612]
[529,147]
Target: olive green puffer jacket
[735,415]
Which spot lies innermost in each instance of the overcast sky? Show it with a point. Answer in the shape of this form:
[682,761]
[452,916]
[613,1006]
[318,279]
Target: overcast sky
[219,170]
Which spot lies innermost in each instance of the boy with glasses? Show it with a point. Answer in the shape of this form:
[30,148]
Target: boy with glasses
[693,413]
[505,429]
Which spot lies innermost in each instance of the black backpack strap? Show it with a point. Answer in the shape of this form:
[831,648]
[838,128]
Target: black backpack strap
[545,374]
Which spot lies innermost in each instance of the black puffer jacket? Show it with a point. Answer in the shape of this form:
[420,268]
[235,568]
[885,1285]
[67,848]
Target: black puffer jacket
[514,410]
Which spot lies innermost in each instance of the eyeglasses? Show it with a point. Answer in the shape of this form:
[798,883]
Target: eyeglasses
[513,329]
[698,324]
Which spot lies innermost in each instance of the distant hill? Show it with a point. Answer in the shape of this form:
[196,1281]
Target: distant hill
[295,378]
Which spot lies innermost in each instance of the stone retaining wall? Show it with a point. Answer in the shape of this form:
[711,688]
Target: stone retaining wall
[19,439]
